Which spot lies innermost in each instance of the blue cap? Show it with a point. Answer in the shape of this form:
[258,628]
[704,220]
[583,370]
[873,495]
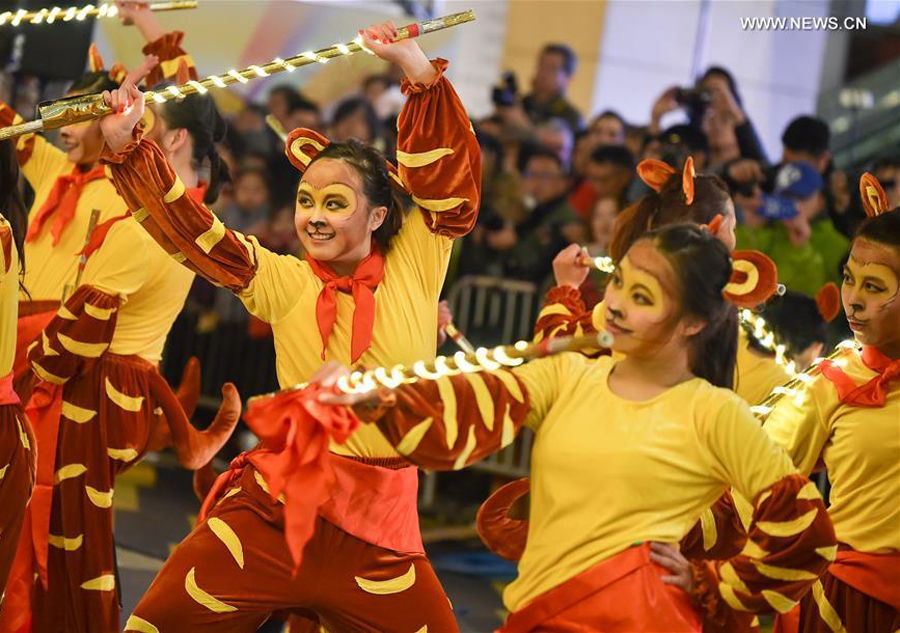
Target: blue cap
[778,208]
[797,180]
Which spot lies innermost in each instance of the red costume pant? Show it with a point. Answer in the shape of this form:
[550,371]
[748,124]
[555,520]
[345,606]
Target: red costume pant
[16,477]
[235,569]
[105,420]
[623,594]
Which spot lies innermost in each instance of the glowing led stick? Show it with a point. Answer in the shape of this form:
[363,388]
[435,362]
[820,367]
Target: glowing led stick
[481,359]
[63,112]
[79,14]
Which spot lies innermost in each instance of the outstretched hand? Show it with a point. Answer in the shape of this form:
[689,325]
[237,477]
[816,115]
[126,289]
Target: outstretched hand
[127,104]
[568,267]
[380,39]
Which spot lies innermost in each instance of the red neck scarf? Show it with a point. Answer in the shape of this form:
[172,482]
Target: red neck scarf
[62,202]
[362,284]
[872,393]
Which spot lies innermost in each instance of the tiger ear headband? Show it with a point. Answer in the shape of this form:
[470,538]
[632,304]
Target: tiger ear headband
[117,73]
[874,199]
[828,301]
[303,145]
[656,173]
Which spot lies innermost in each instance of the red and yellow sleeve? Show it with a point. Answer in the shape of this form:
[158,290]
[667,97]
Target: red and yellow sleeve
[168,49]
[76,337]
[438,155]
[563,314]
[37,158]
[717,535]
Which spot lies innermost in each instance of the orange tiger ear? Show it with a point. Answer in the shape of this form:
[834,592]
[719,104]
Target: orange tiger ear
[95,59]
[687,180]
[754,278]
[654,173]
[828,300]
[874,199]
[183,74]
[118,72]
[304,144]
[714,226]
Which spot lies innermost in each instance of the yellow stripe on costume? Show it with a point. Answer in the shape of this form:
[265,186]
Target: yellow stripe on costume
[828,553]
[178,256]
[780,603]
[809,491]
[122,454]
[43,374]
[388,587]
[708,527]
[763,497]
[826,611]
[729,575]
[202,598]
[753,550]
[99,499]
[410,441]
[87,350]
[106,582]
[212,236]
[482,399]
[509,430]
[140,215]
[139,625]
[783,573]
[175,192]
[68,544]
[788,528]
[23,436]
[553,309]
[228,537]
[467,450]
[101,314]
[69,471]
[420,159]
[730,597]
[45,341]
[262,484]
[448,399]
[77,414]
[64,313]
[169,67]
[512,385]
[126,402]
[444,204]
[3,471]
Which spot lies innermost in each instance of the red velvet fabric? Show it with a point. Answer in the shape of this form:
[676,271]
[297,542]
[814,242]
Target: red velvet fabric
[877,575]
[7,395]
[500,533]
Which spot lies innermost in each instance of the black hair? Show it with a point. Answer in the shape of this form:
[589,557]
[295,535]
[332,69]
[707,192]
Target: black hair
[384,79]
[613,155]
[807,134]
[796,321]
[94,82]
[886,162]
[611,114]
[200,117]
[371,166]
[568,56]
[533,150]
[668,206]
[702,266]
[688,135]
[352,106]
[11,204]
[303,104]
[724,73]
[290,94]
[882,229]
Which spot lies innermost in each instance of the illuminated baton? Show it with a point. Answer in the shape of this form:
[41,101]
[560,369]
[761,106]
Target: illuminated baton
[459,338]
[275,125]
[482,359]
[63,112]
[79,14]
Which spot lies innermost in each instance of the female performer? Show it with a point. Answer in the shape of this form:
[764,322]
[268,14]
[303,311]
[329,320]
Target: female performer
[849,419]
[366,293]
[626,452]
[16,438]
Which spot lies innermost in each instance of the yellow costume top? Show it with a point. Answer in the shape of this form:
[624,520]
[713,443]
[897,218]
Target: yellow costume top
[859,446]
[439,162]
[9,293]
[755,375]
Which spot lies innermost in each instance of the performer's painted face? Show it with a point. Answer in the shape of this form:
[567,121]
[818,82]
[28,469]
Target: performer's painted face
[870,293]
[641,301]
[332,215]
[82,142]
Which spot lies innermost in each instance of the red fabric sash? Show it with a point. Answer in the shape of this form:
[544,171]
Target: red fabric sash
[296,431]
[7,395]
[872,393]
[362,284]
[639,595]
[99,234]
[62,202]
[876,575]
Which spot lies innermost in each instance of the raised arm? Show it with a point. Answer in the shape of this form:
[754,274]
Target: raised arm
[791,540]
[437,152]
[165,46]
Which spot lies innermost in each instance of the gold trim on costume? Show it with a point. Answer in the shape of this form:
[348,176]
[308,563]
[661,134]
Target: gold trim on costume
[68,544]
[420,159]
[99,499]
[202,598]
[86,350]
[129,403]
[410,441]
[228,537]
[106,582]
[788,528]
[482,399]
[461,459]
[443,204]
[139,625]
[448,398]
[70,471]
[175,192]
[388,587]
[101,314]
[212,236]
[77,414]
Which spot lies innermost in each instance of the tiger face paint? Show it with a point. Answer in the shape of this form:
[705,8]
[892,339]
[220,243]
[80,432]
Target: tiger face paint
[869,293]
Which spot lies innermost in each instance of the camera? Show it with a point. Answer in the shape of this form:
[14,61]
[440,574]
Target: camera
[506,93]
[694,100]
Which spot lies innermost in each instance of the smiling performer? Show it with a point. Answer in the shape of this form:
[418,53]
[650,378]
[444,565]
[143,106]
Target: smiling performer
[99,403]
[366,293]
[849,419]
[627,452]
